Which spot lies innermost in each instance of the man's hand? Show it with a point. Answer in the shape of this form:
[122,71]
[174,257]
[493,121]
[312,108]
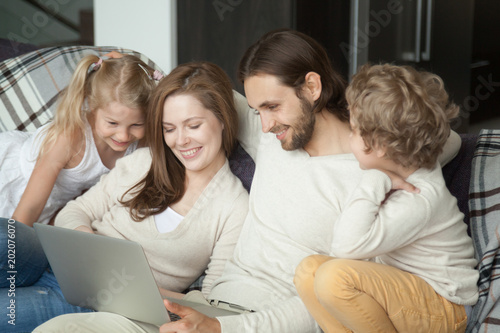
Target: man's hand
[192,321]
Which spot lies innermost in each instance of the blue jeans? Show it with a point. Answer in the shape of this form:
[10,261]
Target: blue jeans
[22,260]
[29,292]
[29,307]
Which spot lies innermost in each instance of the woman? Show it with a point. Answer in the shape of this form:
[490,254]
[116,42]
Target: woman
[178,198]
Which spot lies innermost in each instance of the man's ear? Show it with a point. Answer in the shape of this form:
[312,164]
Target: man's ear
[313,84]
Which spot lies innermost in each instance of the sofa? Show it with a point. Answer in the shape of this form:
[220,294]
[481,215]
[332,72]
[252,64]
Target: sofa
[30,83]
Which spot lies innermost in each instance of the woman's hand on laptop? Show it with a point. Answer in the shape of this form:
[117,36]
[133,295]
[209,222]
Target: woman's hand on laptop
[192,321]
[85,229]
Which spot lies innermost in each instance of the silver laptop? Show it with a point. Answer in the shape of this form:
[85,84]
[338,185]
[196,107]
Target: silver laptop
[108,274]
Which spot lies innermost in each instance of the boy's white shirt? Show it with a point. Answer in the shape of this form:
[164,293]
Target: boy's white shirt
[421,233]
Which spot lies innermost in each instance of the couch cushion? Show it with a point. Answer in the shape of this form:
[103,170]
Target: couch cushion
[485,229]
[457,174]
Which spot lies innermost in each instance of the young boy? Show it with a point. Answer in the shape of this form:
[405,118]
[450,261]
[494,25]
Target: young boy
[407,262]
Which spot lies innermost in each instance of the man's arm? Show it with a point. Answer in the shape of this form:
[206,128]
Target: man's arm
[250,128]
[289,316]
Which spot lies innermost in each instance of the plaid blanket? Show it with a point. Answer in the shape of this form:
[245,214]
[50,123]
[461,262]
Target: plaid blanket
[30,83]
[484,202]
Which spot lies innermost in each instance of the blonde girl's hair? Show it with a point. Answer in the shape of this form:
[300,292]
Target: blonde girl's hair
[95,86]
[164,184]
[403,110]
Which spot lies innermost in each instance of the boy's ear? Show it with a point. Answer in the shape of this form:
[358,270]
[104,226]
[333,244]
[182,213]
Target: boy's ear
[313,84]
[380,151]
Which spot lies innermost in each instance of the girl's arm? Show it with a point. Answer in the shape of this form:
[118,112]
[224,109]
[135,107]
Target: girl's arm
[42,181]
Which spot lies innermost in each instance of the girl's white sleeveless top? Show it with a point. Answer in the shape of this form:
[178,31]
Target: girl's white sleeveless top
[18,154]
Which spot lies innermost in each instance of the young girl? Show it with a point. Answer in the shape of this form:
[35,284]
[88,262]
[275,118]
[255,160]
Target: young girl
[100,118]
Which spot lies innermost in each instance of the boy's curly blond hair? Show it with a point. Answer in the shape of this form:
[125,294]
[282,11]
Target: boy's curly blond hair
[402,110]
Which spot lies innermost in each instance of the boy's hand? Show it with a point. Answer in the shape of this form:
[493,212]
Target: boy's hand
[399,183]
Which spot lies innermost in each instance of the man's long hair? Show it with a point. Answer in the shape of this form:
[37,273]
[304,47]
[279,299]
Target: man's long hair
[290,55]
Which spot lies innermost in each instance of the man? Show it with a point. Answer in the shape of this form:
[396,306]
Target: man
[298,136]
[304,172]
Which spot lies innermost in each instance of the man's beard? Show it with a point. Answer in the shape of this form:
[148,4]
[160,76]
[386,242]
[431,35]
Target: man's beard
[303,128]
